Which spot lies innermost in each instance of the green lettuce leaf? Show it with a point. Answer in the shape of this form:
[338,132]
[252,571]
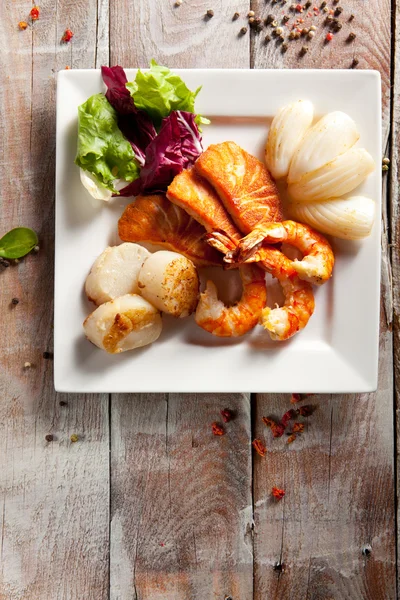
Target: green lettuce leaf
[159,91]
[102,149]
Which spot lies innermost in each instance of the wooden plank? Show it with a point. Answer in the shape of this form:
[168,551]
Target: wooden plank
[335,474]
[395,231]
[178,36]
[54,495]
[339,484]
[181,498]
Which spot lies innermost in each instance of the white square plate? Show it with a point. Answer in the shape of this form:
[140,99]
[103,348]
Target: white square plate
[337,352]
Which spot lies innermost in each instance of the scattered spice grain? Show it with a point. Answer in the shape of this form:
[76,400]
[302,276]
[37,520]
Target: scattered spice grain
[74,438]
[49,437]
[352,36]
[235,17]
[243,31]
[217,428]
[210,13]
[259,447]
[277,493]
[14,301]
[227,415]
[22,25]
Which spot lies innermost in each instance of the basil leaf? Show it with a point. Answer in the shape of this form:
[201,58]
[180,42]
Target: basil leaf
[18,242]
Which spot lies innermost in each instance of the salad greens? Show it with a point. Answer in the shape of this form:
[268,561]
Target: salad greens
[159,91]
[102,149]
[142,132]
[18,242]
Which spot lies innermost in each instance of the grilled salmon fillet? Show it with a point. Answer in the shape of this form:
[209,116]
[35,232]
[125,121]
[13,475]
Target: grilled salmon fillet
[195,195]
[243,184]
[156,220]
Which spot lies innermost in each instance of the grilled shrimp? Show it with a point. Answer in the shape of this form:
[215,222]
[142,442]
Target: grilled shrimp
[318,260]
[284,321]
[233,321]
[281,322]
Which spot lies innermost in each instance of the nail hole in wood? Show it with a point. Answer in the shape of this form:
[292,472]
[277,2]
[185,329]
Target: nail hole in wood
[366,550]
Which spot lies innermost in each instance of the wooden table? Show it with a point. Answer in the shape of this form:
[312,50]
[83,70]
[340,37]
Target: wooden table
[148,504]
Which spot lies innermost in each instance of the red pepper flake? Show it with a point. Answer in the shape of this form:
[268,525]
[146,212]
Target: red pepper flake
[35,12]
[291,438]
[288,416]
[298,428]
[227,415]
[295,398]
[259,447]
[67,68]
[277,428]
[306,411]
[22,25]
[329,37]
[68,35]
[277,493]
[217,429]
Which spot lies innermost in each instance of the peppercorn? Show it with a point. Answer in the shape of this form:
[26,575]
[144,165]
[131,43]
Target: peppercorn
[251,13]
[27,365]
[36,249]
[337,27]
[178,2]
[352,36]
[354,63]
[292,35]
[274,24]
[49,437]
[14,301]
[297,35]
[307,4]
[257,25]
[326,9]
[338,11]
[3,262]
[47,355]
[328,19]
[323,4]
[210,13]
[293,7]
[74,438]
[267,39]
[385,167]
[351,17]
[251,20]
[269,19]
[386,160]
[235,17]
[304,31]
[313,28]
[281,37]
[63,403]
[335,1]
[310,35]
[278,30]
[285,46]
[285,19]
[243,31]
[303,50]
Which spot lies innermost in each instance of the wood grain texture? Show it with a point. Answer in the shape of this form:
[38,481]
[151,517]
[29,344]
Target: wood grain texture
[181,498]
[395,230]
[53,495]
[339,477]
[179,36]
[339,483]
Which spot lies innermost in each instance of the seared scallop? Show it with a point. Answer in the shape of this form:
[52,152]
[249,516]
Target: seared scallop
[115,272]
[123,324]
[170,282]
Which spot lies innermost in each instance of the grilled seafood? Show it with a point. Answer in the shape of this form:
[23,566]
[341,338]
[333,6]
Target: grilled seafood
[192,193]
[156,220]
[243,184]
[233,321]
[317,263]
[281,322]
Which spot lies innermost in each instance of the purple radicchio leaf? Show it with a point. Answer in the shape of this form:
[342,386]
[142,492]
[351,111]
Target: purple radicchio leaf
[135,124]
[176,147]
